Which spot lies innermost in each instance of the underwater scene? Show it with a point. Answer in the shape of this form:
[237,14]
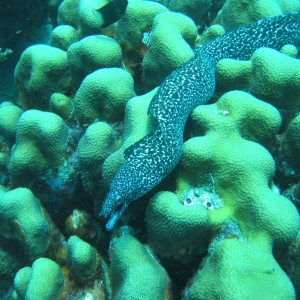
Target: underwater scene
[149,150]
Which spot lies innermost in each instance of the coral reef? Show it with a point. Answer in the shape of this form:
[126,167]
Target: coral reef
[4,54]
[41,140]
[222,268]
[62,105]
[136,126]
[269,75]
[169,31]
[103,95]
[9,116]
[186,87]
[22,218]
[83,257]
[98,142]
[44,280]
[195,9]
[63,37]
[137,20]
[41,71]
[236,13]
[136,273]
[272,224]
[177,104]
[92,53]
[291,142]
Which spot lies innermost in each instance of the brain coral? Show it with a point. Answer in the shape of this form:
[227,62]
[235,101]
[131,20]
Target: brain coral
[83,257]
[44,280]
[97,143]
[62,105]
[103,95]
[172,38]
[195,9]
[22,217]
[63,36]
[227,266]
[236,13]
[68,13]
[217,227]
[41,139]
[136,273]
[269,75]
[82,15]
[41,71]
[92,53]
[9,115]
[291,142]
[138,18]
[244,215]
[90,20]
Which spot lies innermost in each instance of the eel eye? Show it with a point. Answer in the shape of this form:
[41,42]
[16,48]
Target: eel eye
[189,201]
[208,204]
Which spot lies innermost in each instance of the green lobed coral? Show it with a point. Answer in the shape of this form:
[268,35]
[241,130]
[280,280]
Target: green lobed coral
[44,280]
[269,75]
[136,273]
[22,217]
[82,15]
[195,9]
[63,36]
[62,105]
[68,13]
[92,53]
[138,19]
[41,140]
[83,257]
[173,36]
[237,270]
[98,142]
[103,95]
[291,142]
[224,206]
[41,71]
[236,13]
[265,221]
[9,115]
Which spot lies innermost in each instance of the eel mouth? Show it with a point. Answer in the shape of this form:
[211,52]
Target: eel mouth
[108,205]
[115,215]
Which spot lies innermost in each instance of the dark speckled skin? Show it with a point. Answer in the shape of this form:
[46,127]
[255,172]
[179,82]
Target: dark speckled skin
[152,158]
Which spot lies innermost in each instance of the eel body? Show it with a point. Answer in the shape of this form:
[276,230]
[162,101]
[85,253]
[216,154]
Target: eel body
[151,159]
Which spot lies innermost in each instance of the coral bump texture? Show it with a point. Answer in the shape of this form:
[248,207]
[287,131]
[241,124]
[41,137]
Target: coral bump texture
[152,158]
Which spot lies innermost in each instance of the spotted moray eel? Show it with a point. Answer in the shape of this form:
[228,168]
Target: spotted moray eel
[152,158]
